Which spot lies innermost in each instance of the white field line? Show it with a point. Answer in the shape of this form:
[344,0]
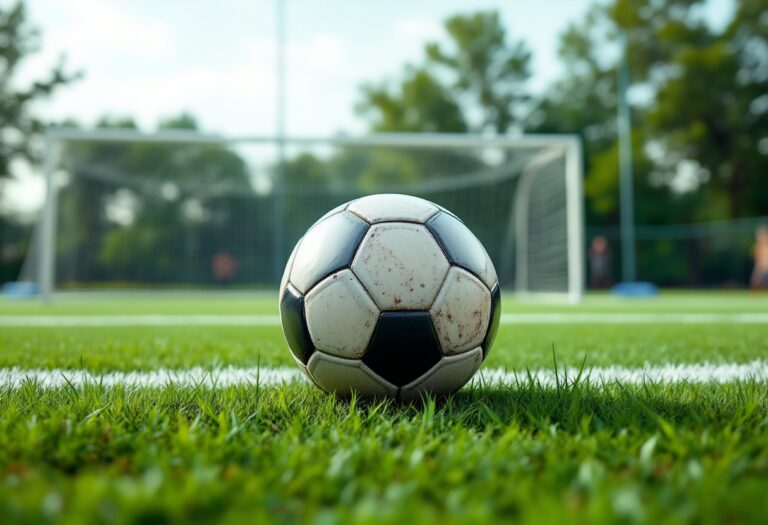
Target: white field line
[14,378]
[43,321]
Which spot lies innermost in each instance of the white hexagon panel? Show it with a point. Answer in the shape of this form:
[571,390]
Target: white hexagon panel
[461,312]
[344,376]
[450,374]
[401,265]
[340,315]
[393,207]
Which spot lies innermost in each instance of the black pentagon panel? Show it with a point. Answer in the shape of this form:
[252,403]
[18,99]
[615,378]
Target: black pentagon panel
[327,247]
[459,244]
[493,325]
[403,347]
[295,324]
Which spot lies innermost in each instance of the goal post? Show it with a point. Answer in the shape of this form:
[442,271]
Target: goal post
[181,209]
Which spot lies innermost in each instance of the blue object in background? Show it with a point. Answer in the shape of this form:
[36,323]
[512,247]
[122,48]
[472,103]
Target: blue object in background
[635,289]
[20,289]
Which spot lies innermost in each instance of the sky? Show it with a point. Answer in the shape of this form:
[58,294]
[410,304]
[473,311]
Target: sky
[152,59]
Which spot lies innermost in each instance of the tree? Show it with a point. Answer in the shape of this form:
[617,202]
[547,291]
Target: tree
[478,71]
[702,107]
[18,126]
[421,103]
[713,108]
[149,212]
[473,80]
[486,70]
[704,101]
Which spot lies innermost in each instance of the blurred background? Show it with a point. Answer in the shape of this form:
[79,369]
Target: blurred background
[670,95]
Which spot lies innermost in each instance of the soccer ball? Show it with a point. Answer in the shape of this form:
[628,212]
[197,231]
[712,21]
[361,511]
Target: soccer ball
[389,295]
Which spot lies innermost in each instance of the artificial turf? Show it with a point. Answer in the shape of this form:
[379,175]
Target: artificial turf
[102,349]
[222,302]
[576,452]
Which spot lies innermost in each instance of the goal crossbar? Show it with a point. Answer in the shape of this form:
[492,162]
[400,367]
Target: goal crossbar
[569,146]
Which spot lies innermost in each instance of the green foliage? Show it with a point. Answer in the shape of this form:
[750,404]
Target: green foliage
[703,102]
[18,126]
[714,108]
[584,100]
[421,103]
[702,105]
[157,190]
[485,67]
[478,71]
[20,129]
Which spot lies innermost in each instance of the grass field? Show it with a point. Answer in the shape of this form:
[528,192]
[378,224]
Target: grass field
[578,451]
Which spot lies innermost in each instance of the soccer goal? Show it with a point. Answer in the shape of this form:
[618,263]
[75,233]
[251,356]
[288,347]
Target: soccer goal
[182,210]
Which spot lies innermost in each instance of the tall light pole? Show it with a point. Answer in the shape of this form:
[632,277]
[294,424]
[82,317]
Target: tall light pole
[626,189]
[280,172]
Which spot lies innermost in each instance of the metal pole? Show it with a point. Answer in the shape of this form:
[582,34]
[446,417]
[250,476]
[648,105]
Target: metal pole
[47,237]
[574,196]
[626,190]
[279,183]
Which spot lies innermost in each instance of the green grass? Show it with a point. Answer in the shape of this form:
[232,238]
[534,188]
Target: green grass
[516,347]
[138,303]
[658,454]
[223,303]
[579,452]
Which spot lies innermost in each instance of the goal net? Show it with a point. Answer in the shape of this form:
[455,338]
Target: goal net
[178,210]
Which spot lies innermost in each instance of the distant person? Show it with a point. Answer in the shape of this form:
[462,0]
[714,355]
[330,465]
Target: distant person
[224,267]
[600,263]
[760,252]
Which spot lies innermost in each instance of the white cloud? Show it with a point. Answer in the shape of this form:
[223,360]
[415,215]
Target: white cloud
[150,59]
[324,52]
[202,90]
[417,30]
[107,30]
[97,36]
